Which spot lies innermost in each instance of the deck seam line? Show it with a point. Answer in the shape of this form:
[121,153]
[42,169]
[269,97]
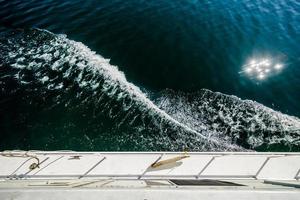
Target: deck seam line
[161,155]
[48,164]
[206,166]
[19,167]
[93,167]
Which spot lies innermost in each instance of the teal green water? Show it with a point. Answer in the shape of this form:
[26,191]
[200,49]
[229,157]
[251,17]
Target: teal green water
[180,59]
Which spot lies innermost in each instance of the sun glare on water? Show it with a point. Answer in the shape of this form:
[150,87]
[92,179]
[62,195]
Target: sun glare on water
[261,69]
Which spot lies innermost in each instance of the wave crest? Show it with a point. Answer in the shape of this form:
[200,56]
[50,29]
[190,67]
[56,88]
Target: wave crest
[76,95]
[243,122]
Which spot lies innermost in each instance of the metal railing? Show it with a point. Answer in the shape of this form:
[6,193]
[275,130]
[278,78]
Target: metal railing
[144,175]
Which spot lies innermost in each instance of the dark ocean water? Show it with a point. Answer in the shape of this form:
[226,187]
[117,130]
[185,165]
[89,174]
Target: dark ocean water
[150,75]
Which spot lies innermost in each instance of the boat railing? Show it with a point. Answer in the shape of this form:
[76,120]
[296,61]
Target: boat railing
[144,174]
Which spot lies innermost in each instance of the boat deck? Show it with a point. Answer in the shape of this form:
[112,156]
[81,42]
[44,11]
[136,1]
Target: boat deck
[53,165]
[149,175]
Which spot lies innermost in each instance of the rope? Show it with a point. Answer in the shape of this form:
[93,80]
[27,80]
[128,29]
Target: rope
[23,155]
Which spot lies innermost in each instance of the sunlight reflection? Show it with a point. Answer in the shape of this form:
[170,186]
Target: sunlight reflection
[261,69]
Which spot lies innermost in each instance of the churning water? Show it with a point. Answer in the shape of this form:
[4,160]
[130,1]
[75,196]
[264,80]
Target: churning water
[57,93]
